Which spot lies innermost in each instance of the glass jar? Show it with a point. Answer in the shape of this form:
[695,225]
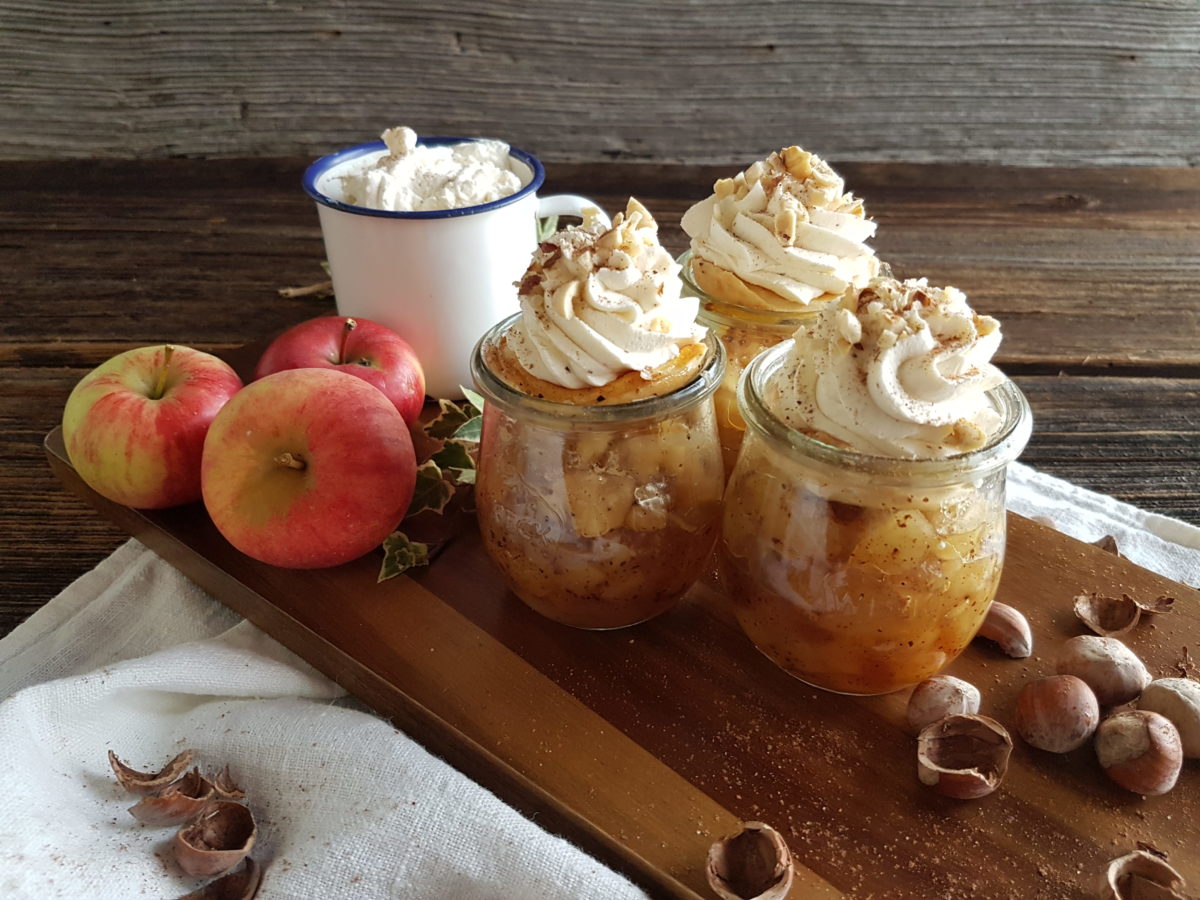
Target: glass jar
[599,516]
[855,573]
[744,332]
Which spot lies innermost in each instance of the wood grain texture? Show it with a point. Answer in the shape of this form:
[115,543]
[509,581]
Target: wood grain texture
[100,256]
[1030,82]
[647,742]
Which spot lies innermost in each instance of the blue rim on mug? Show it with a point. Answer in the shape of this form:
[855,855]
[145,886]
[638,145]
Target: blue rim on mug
[318,169]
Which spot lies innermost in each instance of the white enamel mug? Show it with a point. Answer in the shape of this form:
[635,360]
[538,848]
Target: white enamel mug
[440,278]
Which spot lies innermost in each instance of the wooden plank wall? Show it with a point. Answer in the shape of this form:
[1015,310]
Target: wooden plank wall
[1033,82]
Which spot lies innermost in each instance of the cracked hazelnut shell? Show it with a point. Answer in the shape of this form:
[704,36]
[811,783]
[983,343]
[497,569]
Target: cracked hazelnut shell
[1009,629]
[1141,874]
[963,756]
[181,802]
[147,784]
[754,864]
[1107,616]
[217,841]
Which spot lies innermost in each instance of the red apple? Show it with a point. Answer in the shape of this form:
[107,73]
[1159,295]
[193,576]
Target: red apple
[134,427]
[308,468]
[363,348]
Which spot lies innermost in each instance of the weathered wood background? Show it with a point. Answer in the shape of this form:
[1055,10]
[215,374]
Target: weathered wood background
[1012,81]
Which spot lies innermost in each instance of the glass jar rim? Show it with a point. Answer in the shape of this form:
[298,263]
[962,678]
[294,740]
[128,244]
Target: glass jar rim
[1004,447]
[718,311]
[495,389]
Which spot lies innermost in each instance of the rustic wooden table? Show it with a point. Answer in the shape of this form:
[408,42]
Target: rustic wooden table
[1093,272]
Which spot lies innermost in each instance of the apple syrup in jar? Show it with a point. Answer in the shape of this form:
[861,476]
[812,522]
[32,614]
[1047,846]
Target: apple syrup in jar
[860,549]
[770,247]
[600,476]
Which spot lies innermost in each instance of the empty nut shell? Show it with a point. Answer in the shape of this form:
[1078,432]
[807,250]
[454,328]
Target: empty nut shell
[1140,751]
[226,787]
[963,756]
[1178,699]
[1141,875]
[754,864]
[1058,713]
[1111,670]
[217,841]
[1009,629]
[1108,616]
[180,802]
[147,784]
[940,696]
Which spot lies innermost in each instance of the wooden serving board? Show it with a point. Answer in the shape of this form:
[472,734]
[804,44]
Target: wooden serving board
[646,744]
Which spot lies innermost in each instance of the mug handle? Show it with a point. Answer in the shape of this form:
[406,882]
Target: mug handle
[569,205]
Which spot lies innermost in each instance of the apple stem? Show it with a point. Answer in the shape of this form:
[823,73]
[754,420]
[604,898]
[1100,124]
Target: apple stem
[289,461]
[160,383]
[346,329]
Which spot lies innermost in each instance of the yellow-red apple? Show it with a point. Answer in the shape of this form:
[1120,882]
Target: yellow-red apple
[308,468]
[134,426]
[359,347]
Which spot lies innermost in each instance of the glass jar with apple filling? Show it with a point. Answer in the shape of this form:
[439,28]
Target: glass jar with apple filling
[599,516]
[855,573]
[744,332]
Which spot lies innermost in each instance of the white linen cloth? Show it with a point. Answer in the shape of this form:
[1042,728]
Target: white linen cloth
[132,657]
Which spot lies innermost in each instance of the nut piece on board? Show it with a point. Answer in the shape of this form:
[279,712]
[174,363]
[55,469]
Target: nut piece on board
[1009,629]
[1058,713]
[147,784]
[754,864]
[940,696]
[1140,751]
[963,756]
[1110,669]
[1107,616]
[1142,874]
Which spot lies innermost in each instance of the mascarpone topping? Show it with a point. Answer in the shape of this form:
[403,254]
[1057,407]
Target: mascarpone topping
[411,178]
[786,224]
[898,369]
[598,302]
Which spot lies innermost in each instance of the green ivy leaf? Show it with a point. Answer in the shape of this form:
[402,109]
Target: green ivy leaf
[432,490]
[400,554]
[449,420]
[454,455]
[470,430]
[476,400]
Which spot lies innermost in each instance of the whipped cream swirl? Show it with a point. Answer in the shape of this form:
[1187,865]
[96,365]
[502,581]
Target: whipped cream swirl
[899,369]
[786,224]
[598,302]
[412,178]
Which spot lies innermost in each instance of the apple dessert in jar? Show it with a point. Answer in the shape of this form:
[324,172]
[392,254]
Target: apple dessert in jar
[771,247]
[864,523]
[600,477]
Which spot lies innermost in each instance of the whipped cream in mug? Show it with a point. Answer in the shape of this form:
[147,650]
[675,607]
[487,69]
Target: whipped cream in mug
[412,178]
[599,301]
[897,369]
[785,224]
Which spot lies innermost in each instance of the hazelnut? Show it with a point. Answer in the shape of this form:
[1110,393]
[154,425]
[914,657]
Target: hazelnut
[940,696]
[754,864]
[1178,699]
[1009,629]
[1140,751]
[1058,713]
[963,756]
[1110,668]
